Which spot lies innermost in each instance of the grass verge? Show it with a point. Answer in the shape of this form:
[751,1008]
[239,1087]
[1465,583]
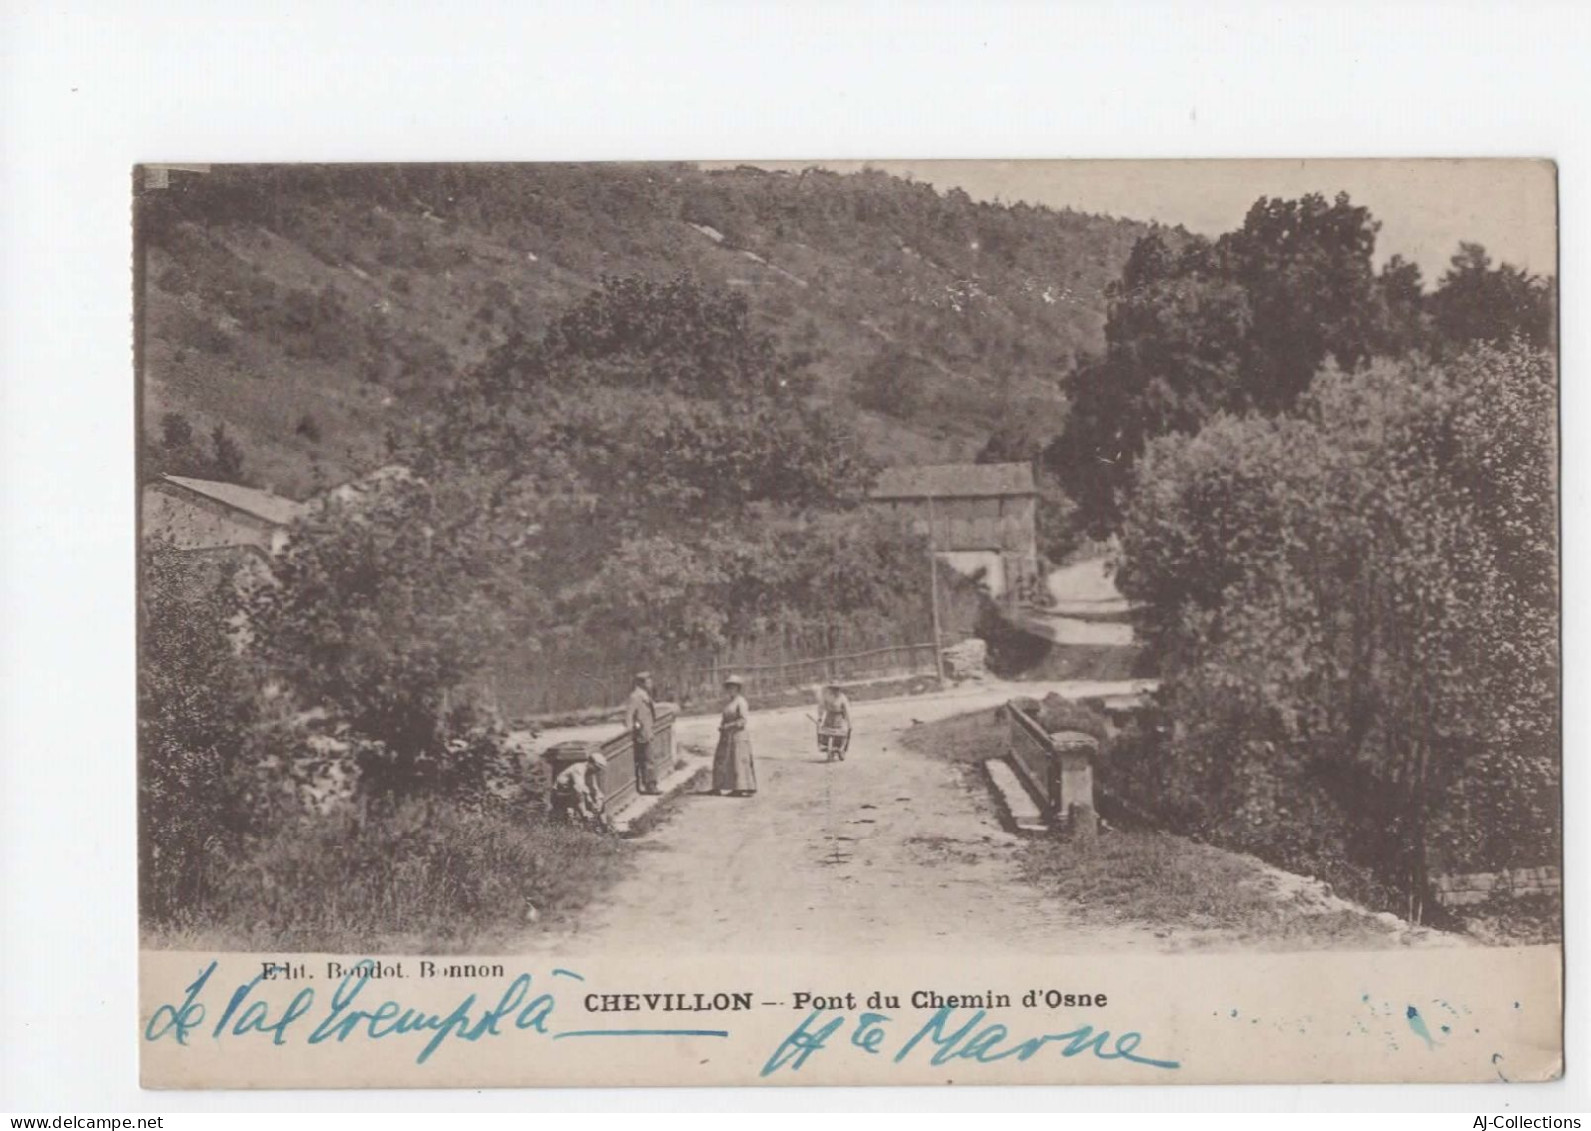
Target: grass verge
[971,738]
[430,877]
[1158,881]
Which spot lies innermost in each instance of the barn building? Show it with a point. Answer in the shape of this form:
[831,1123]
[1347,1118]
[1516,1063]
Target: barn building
[159,176]
[980,517]
[204,514]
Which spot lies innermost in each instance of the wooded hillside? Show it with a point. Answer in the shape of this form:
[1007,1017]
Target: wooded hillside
[310,309]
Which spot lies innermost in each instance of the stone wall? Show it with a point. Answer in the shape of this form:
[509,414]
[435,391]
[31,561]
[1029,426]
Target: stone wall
[618,777]
[1460,890]
[966,660]
[1056,769]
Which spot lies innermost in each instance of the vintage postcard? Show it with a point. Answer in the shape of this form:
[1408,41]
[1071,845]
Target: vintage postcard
[838,623]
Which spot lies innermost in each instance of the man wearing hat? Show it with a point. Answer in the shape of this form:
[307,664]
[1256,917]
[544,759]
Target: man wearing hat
[577,793]
[640,717]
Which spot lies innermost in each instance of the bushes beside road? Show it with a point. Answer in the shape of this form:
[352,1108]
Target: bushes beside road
[1355,610]
[258,830]
[434,877]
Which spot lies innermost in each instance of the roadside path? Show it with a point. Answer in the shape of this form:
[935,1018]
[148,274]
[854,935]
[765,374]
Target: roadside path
[888,850]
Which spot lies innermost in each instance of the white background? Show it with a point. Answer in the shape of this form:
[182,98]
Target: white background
[91,88]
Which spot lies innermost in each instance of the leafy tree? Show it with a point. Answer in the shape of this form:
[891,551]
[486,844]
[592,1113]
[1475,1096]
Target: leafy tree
[648,405]
[789,576]
[1305,268]
[1239,324]
[655,469]
[1405,322]
[196,708]
[1478,303]
[1357,604]
[834,570]
[179,452]
[655,595]
[228,457]
[383,606]
[1018,440]
[175,431]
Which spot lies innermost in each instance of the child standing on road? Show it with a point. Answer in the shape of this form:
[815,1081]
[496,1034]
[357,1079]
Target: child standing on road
[834,717]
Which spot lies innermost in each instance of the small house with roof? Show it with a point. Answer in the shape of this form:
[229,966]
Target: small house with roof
[224,531]
[206,514]
[212,515]
[158,176]
[980,517]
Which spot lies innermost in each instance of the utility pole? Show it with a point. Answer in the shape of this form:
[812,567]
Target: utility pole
[933,592]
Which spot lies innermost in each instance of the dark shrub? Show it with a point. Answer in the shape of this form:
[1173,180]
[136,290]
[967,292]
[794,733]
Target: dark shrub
[437,875]
[195,711]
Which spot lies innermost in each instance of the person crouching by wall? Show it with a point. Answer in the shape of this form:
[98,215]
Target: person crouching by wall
[734,773]
[577,795]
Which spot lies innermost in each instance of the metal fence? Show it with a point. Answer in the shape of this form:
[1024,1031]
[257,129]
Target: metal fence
[553,684]
[852,667]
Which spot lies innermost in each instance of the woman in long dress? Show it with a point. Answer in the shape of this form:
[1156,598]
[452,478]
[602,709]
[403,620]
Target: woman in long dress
[733,770]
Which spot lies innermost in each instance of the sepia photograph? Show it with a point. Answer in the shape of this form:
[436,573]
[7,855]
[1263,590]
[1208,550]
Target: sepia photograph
[675,556]
[1111,560]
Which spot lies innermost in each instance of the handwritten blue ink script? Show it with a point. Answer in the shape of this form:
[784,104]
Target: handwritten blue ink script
[945,1038]
[355,1010]
[352,1013]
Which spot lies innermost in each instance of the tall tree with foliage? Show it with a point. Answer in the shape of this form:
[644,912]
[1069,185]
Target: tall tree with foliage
[661,394]
[1356,604]
[649,479]
[1235,325]
[196,709]
[382,606]
[647,447]
[1476,302]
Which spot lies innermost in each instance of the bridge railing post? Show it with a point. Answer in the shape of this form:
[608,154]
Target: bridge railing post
[1056,769]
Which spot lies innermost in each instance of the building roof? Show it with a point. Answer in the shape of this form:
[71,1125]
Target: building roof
[261,504]
[158,176]
[955,480]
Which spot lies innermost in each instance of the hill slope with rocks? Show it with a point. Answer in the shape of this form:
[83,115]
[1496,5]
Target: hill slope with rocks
[311,310]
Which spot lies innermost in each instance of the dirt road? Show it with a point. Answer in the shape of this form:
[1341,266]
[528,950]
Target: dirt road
[1086,607]
[886,850]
